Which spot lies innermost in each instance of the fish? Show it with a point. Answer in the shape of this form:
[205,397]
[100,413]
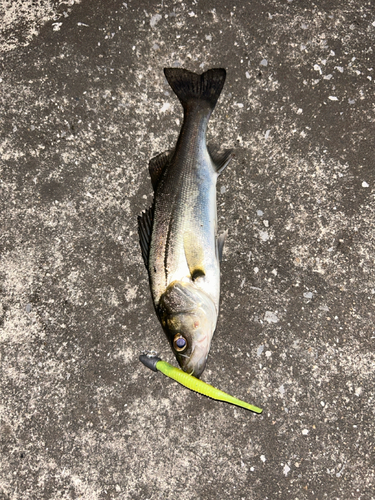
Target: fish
[180,245]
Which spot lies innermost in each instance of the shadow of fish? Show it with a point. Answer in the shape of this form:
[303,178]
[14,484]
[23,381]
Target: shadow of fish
[178,234]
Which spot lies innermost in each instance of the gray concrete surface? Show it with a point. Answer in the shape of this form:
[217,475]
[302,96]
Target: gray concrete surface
[84,106]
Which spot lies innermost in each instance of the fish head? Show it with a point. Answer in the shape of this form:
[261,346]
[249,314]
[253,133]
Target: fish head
[188,316]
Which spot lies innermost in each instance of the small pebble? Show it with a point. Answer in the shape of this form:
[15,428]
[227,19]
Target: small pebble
[260,350]
[270,317]
[364,184]
[264,236]
[286,469]
[155,19]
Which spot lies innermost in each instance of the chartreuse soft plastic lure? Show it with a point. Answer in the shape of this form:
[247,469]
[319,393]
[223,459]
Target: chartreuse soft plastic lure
[193,383]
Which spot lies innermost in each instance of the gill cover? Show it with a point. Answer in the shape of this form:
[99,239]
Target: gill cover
[188,317]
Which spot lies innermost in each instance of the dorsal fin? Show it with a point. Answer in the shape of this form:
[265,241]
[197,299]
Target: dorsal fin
[144,232]
[156,167]
[220,158]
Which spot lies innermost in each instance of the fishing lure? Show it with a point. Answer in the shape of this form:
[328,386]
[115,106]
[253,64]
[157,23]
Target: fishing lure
[193,383]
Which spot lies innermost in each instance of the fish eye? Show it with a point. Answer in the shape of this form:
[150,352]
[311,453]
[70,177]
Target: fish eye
[179,343]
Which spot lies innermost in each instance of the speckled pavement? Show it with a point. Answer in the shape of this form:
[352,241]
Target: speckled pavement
[84,106]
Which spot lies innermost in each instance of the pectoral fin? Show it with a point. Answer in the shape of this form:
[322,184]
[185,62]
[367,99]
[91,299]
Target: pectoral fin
[194,254]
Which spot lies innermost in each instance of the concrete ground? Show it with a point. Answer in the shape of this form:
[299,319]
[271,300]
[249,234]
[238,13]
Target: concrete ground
[84,106]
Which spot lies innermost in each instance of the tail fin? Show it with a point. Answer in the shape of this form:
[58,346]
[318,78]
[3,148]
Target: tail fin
[190,86]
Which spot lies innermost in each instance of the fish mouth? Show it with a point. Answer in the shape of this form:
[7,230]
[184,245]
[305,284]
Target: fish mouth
[196,363]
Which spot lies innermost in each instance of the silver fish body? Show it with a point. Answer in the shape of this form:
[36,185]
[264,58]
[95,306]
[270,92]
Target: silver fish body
[178,234]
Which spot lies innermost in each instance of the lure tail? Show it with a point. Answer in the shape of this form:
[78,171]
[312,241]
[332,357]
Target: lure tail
[193,383]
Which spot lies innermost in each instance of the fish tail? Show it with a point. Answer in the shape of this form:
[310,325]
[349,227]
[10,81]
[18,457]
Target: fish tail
[189,86]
